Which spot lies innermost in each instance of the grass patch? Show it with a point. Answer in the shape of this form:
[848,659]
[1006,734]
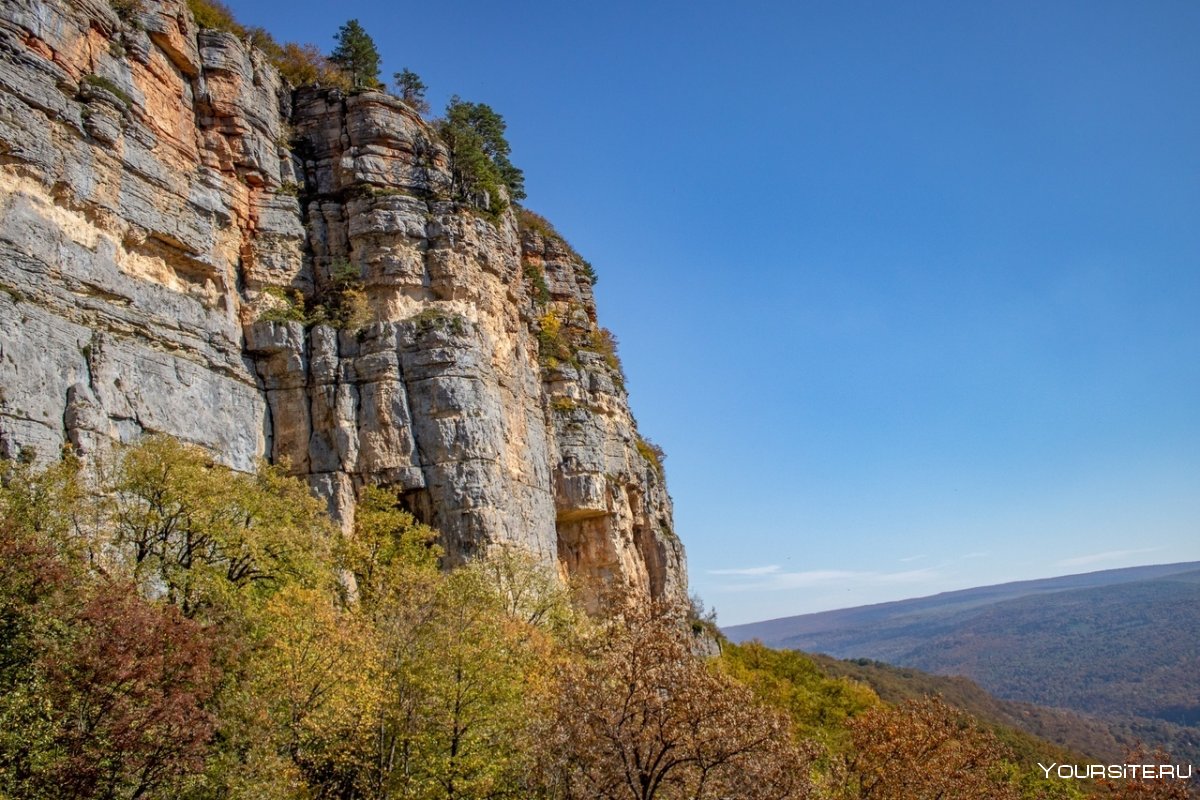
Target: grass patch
[15,294]
[432,318]
[128,10]
[101,82]
[563,405]
[604,342]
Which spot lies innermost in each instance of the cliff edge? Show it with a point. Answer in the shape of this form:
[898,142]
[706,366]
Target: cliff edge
[167,201]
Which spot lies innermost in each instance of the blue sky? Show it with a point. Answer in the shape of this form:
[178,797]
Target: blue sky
[909,293]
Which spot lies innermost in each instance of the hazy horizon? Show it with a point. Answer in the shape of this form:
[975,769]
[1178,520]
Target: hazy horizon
[900,600]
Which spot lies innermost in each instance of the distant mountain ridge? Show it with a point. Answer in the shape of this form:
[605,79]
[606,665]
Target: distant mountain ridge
[1118,644]
[786,631]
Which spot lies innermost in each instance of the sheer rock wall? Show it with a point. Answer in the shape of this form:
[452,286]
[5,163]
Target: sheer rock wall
[161,188]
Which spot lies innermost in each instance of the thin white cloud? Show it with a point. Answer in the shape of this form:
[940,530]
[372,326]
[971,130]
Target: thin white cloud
[767,570]
[774,581]
[907,559]
[978,554]
[1110,555]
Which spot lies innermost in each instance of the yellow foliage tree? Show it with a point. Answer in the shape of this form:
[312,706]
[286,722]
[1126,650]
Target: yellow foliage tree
[208,538]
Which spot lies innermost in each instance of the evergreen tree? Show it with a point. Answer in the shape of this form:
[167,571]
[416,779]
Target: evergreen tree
[411,89]
[356,54]
[479,153]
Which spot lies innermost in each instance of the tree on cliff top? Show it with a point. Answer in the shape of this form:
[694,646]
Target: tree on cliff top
[479,154]
[412,90]
[356,54]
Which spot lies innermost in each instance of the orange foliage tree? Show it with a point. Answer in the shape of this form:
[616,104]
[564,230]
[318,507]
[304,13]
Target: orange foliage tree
[644,718]
[921,750]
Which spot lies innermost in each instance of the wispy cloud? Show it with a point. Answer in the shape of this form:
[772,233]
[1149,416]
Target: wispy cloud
[778,580]
[907,559]
[1110,555]
[767,570]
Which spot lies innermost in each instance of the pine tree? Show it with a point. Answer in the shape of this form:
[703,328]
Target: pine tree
[479,153]
[412,90]
[356,55]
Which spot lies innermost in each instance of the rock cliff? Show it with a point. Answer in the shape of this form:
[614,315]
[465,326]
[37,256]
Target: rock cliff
[166,200]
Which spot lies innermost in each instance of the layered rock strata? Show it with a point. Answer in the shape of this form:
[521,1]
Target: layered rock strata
[172,217]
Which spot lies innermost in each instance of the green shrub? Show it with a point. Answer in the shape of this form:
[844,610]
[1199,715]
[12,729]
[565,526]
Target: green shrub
[291,309]
[537,281]
[553,344]
[653,454]
[215,15]
[342,302]
[435,317]
[531,222]
[127,10]
[101,82]
[604,342]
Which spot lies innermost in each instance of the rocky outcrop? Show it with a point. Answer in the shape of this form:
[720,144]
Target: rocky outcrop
[173,214]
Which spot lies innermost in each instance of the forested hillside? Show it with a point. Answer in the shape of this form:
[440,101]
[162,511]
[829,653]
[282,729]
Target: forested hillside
[170,628]
[1112,646]
[1080,737]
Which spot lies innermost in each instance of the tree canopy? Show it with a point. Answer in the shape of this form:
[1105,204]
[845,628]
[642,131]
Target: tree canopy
[411,89]
[356,54]
[479,162]
[170,628]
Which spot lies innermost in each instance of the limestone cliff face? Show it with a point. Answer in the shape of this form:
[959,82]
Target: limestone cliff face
[162,189]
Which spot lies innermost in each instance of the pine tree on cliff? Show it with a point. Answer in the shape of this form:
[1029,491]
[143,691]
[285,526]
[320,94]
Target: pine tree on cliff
[412,90]
[479,153]
[356,55]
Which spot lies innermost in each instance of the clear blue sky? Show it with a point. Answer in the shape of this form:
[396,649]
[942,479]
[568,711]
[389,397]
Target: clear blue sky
[909,292]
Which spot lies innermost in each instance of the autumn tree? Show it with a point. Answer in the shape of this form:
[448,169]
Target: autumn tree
[306,65]
[312,690]
[644,718]
[215,15]
[528,591]
[210,538]
[130,681]
[356,54]
[102,693]
[921,750]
